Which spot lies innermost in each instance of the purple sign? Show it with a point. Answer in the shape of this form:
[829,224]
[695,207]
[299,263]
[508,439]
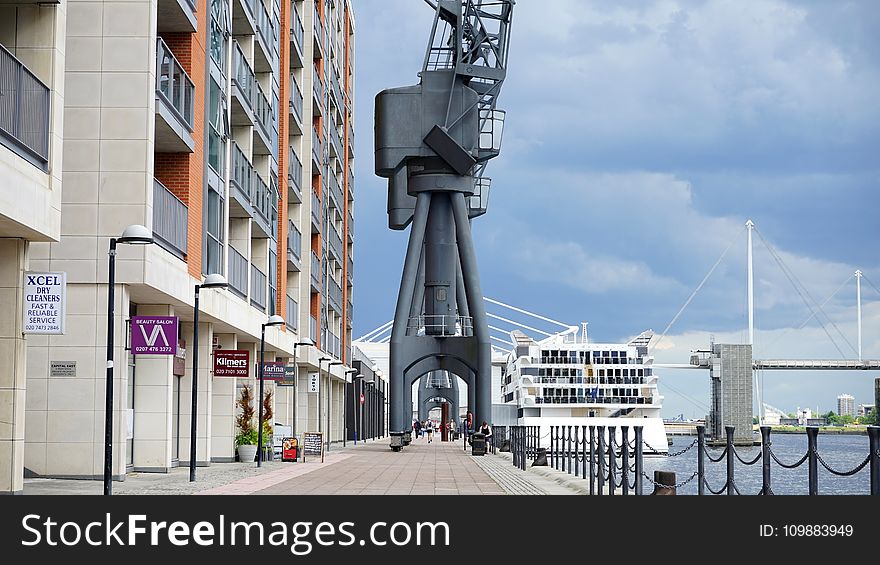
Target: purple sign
[154,335]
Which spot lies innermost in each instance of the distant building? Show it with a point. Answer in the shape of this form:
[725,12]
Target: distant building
[803,414]
[788,421]
[863,409]
[846,405]
[730,377]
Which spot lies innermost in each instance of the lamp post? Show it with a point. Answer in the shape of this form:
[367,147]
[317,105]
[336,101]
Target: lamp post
[211,281]
[132,235]
[330,397]
[305,343]
[274,320]
[320,411]
[345,408]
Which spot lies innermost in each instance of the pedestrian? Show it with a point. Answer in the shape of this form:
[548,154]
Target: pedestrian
[429,427]
[417,428]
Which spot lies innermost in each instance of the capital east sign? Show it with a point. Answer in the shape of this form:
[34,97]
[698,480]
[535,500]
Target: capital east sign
[154,335]
[44,300]
[232,363]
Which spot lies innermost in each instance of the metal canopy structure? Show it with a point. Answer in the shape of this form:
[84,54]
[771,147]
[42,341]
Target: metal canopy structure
[433,141]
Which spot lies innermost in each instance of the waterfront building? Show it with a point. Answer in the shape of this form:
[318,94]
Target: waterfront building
[846,405]
[226,127]
[730,381]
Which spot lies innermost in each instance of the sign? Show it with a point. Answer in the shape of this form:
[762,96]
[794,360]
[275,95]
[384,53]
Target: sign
[62,368]
[289,449]
[178,365]
[231,363]
[314,382]
[362,398]
[273,370]
[313,444]
[154,335]
[289,376]
[45,296]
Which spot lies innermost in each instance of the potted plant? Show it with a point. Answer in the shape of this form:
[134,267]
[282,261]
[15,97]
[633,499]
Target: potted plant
[268,428]
[246,439]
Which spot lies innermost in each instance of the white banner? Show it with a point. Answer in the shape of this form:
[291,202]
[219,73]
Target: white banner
[314,382]
[45,295]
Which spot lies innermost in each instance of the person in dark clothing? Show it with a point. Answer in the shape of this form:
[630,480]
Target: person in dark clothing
[417,428]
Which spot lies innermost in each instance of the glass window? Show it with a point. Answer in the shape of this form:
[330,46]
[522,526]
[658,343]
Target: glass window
[214,232]
[218,130]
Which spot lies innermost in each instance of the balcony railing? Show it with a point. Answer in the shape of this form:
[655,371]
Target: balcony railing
[258,288]
[337,91]
[313,329]
[317,147]
[335,294]
[316,270]
[350,224]
[238,272]
[253,93]
[265,27]
[318,87]
[296,100]
[336,142]
[262,198]
[242,172]
[294,240]
[336,190]
[296,28]
[292,317]
[319,33]
[335,242]
[169,220]
[294,170]
[24,110]
[173,84]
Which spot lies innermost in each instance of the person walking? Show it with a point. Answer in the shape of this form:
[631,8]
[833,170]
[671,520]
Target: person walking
[417,429]
[429,428]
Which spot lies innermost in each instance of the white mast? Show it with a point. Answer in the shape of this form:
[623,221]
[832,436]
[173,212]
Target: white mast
[750,226]
[859,308]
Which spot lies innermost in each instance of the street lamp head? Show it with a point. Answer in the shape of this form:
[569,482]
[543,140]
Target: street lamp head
[136,234]
[215,281]
[274,320]
[306,342]
[336,363]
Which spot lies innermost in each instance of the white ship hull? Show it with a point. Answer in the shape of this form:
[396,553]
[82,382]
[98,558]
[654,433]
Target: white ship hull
[653,431]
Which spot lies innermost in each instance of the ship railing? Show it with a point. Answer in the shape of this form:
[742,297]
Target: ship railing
[441,325]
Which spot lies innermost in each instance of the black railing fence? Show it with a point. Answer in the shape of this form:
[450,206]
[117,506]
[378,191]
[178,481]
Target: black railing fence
[614,466]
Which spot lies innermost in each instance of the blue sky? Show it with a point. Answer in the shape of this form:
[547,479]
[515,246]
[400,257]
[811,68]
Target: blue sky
[640,137]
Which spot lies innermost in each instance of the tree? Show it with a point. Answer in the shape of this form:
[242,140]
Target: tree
[245,419]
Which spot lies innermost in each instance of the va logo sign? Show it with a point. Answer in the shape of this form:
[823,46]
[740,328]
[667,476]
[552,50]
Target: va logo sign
[154,335]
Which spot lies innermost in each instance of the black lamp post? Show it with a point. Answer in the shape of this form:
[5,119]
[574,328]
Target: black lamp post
[274,320]
[320,409]
[304,343]
[132,235]
[354,411]
[329,408]
[211,281]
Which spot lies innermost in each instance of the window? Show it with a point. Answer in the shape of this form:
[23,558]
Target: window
[214,232]
[218,131]
[220,24]
[273,278]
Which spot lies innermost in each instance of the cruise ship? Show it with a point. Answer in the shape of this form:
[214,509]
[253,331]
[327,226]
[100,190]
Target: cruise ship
[564,380]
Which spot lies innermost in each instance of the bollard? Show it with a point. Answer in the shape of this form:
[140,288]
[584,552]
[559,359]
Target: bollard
[765,460]
[874,443]
[612,460]
[664,483]
[640,462]
[568,450]
[522,462]
[600,452]
[541,458]
[812,436]
[728,431]
[553,446]
[624,452]
[592,456]
[701,462]
[576,461]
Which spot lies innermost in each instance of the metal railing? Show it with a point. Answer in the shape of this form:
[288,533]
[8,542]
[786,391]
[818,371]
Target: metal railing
[336,189]
[335,242]
[335,294]
[336,141]
[173,84]
[295,170]
[262,198]
[319,29]
[242,172]
[317,147]
[316,208]
[337,91]
[297,32]
[265,27]
[24,108]
[294,240]
[169,220]
[313,328]
[292,317]
[250,88]
[318,87]
[316,270]
[464,325]
[258,287]
[238,272]
[296,99]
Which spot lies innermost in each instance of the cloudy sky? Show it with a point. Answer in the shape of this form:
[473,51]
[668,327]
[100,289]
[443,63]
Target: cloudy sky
[640,137]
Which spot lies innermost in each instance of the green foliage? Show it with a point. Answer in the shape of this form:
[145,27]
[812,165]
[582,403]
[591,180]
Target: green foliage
[244,422]
[869,419]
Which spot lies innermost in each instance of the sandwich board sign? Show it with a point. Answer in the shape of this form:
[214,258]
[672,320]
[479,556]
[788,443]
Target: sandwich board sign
[313,444]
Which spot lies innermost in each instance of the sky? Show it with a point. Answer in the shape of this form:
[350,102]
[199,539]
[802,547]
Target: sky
[640,138]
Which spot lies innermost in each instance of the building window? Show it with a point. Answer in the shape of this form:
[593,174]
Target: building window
[273,278]
[218,130]
[214,232]
[220,25]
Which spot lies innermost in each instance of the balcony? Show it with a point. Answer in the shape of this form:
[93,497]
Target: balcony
[238,272]
[251,196]
[336,147]
[169,220]
[294,247]
[337,91]
[24,111]
[174,104]
[242,183]
[296,107]
[315,273]
[319,34]
[316,211]
[313,329]
[336,190]
[335,243]
[267,54]
[258,288]
[250,106]
[350,270]
[350,225]
[317,149]
[262,200]
[292,317]
[350,140]
[334,293]
[297,38]
[176,16]
[318,92]
[294,178]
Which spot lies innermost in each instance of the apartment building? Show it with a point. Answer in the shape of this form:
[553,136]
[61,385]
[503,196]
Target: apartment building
[32,48]
[225,127]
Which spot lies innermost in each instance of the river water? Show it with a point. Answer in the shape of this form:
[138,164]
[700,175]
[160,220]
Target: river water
[841,452]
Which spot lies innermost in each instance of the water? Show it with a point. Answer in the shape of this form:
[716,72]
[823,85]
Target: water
[841,452]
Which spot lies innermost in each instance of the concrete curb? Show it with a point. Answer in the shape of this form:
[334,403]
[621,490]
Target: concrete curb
[568,481]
